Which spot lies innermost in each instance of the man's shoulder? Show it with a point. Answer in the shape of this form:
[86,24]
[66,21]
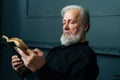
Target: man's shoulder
[57,47]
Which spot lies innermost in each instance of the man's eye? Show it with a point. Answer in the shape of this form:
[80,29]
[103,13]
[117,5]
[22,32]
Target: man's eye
[72,22]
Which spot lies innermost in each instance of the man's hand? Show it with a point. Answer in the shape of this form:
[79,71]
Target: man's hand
[34,61]
[18,65]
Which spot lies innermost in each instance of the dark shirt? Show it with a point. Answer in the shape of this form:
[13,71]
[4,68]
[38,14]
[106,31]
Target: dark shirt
[74,62]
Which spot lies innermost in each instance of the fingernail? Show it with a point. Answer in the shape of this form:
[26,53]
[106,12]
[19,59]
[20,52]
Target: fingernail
[18,59]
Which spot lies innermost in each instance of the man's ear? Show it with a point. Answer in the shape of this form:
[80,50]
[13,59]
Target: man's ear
[86,27]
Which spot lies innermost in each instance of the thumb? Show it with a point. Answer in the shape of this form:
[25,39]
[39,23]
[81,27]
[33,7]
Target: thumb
[38,52]
[29,52]
[19,50]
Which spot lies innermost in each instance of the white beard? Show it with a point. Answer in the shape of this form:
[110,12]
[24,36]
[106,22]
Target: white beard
[70,39]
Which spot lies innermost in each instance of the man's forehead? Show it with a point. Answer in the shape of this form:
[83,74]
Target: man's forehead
[72,15]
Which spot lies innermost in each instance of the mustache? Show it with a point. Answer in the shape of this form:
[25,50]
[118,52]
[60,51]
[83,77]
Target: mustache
[66,32]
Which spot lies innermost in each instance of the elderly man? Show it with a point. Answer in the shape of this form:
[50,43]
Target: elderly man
[73,60]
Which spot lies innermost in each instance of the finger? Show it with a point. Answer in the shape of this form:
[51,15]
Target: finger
[18,67]
[20,51]
[15,60]
[14,56]
[17,64]
[38,52]
[30,52]
[25,57]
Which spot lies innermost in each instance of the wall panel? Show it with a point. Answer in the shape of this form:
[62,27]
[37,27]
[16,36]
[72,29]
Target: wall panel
[44,23]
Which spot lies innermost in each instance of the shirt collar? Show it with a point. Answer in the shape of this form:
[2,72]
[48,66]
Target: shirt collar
[78,43]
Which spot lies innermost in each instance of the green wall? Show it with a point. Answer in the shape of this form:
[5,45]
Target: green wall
[38,22]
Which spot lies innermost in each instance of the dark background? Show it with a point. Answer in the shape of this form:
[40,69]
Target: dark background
[38,22]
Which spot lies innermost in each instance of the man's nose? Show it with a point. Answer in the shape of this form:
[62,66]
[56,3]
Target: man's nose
[66,26]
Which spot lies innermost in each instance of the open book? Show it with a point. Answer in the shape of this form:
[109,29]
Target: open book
[16,43]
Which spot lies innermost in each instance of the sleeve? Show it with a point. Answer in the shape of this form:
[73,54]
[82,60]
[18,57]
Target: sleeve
[31,76]
[38,75]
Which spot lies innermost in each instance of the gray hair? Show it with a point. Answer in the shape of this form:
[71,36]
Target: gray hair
[84,13]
